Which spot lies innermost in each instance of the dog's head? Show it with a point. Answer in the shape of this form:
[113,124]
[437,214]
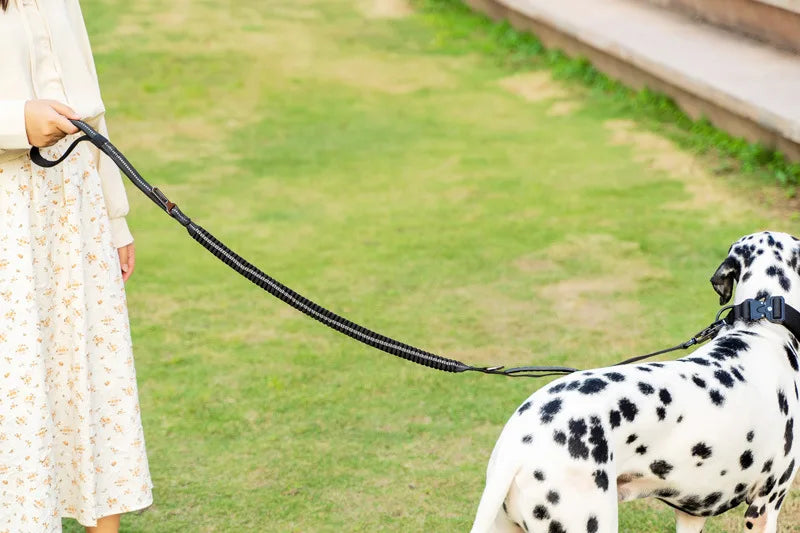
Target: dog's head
[766,263]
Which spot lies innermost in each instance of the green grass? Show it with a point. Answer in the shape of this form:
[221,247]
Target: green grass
[378,166]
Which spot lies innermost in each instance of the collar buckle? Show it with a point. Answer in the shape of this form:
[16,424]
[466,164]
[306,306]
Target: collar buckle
[772,308]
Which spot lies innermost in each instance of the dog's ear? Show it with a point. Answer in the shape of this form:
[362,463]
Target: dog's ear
[723,279]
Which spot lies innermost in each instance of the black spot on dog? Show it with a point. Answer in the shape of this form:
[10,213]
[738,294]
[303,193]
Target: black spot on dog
[699,382]
[615,376]
[601,479]
[723,472]
[572,385]
[691,504]
[661,413]
[746,460]
[577,448]
[632,437]
[716,397]
[591,525]
[788,436]
[614,418]
[750,435]
[666,493]
[738,375]
[679,420]
[740,487]
[728,348]
[592,386]
[549,410]
[746,276]
[701,450]
[540,512]
[778,503]
[598,441]
[767,487]
[791,355]
[555,389]
[628,409]
[644,368]
[641,450]
[724,378]
[527,439]
[763,293]
[767,467]
[660,468]
[787,473]
[697,361]
[665,396]
[752,512]
[556,527]
[712,499]
[559,437]
[783,404]
[646,388]
[553,497]
[524,407]
[539,475]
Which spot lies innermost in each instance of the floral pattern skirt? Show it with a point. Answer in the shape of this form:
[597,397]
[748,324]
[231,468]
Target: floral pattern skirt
[71,439]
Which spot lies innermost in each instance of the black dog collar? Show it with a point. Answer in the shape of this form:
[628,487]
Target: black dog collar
[773,308]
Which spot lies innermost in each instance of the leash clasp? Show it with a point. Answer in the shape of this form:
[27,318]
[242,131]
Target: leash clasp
[772,308]
[709,333]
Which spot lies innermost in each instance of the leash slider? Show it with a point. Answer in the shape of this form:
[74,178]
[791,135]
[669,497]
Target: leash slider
[162,198]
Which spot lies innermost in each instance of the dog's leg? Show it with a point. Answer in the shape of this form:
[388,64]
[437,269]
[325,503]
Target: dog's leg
[570,499]
[761,516]
[687,523]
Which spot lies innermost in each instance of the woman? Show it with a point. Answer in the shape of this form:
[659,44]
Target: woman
[71,439]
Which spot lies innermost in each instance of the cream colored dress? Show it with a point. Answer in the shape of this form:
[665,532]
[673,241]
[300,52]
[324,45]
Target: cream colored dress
[71,439]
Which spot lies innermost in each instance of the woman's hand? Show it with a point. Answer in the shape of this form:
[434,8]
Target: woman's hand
[127,258]
[46,122]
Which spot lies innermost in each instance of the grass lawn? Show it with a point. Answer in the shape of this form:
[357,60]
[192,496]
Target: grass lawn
[390,162]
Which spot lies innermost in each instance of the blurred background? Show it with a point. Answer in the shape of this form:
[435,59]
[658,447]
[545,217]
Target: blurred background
[556,191]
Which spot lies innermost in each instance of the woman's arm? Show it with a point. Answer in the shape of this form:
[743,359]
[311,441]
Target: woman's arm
[12,126]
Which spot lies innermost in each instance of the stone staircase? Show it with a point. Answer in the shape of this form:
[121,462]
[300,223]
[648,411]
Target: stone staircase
[736,62]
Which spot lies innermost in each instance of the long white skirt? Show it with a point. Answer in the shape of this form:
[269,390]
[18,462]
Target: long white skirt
[71,439]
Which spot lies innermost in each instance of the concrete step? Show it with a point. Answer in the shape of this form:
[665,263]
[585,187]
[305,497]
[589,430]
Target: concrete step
[774,22]
[742,86]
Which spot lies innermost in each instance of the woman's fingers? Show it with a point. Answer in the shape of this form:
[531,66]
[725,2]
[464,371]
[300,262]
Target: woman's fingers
[63,109]
[64,125]
[127,260]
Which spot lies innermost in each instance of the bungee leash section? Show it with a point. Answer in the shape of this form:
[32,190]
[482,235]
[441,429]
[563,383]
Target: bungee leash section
[341,324]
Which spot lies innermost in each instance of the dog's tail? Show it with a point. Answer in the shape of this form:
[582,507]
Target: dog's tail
[498,483]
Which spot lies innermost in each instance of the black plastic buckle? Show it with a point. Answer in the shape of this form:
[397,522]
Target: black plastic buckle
[773,309]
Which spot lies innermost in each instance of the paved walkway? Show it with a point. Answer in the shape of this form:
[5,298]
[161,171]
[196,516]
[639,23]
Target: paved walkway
[743,86]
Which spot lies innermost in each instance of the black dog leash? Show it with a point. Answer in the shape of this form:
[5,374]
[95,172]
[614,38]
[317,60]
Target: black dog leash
[351,329]
[274,287]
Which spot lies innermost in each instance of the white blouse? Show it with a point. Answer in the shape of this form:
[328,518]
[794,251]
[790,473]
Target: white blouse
[46,78]
[46,55]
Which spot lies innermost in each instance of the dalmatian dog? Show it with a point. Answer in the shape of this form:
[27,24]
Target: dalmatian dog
[703,433]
